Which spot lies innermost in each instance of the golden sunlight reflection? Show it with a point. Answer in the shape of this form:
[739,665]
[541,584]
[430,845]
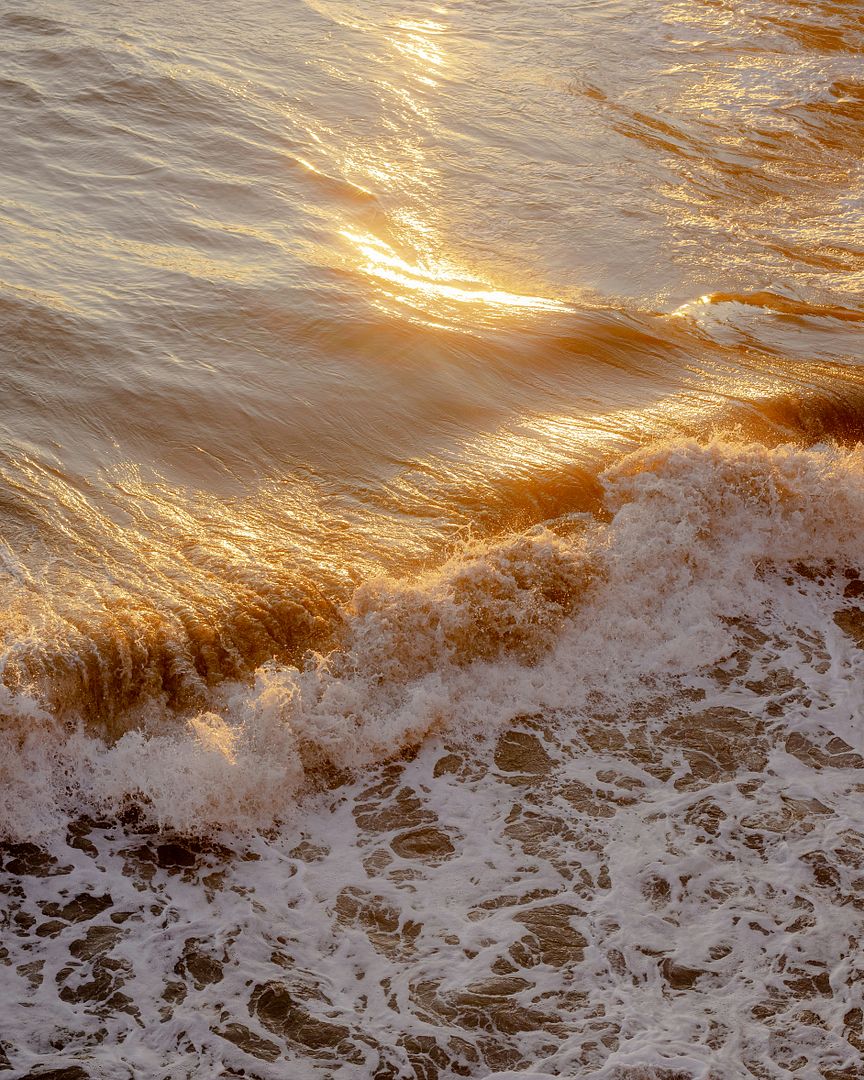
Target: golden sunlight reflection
[417,41]
[402,262]
[433,285]
[567,447]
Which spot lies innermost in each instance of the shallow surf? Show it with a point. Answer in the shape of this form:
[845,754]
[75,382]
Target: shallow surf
[431,491]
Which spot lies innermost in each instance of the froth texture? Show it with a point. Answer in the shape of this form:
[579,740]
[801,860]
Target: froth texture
[584,801]
[692,539]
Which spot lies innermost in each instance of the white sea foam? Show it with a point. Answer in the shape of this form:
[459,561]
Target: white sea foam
[629,846]
[698,536]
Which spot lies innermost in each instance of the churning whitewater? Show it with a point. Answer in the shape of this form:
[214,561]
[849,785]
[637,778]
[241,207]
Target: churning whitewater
[581,615]
[431,559]
[533,802]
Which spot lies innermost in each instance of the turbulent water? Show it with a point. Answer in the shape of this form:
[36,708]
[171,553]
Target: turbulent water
[432,539]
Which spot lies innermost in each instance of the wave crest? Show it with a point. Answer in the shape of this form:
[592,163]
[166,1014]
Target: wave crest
[574,616]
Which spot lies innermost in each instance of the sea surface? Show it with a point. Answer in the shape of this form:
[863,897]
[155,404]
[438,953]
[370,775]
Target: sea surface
[432,539]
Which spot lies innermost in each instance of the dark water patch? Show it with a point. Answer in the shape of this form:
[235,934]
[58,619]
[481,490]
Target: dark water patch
[80,908]
[286,1015]
[34,325]
[27,22]
[161,100]
[77,63]
[249,1042]
[809,417]
[69,1072]
[25,860]
[14,94]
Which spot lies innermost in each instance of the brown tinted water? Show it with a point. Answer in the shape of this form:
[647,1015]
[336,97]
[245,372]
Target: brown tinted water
[430,507]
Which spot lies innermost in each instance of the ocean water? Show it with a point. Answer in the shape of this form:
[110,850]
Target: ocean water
[431,559]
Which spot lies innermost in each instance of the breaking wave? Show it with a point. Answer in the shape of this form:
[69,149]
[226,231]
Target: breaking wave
[583,609]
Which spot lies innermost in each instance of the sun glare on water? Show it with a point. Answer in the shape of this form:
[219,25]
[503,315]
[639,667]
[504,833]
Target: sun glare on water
[404,266]
[433,286]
